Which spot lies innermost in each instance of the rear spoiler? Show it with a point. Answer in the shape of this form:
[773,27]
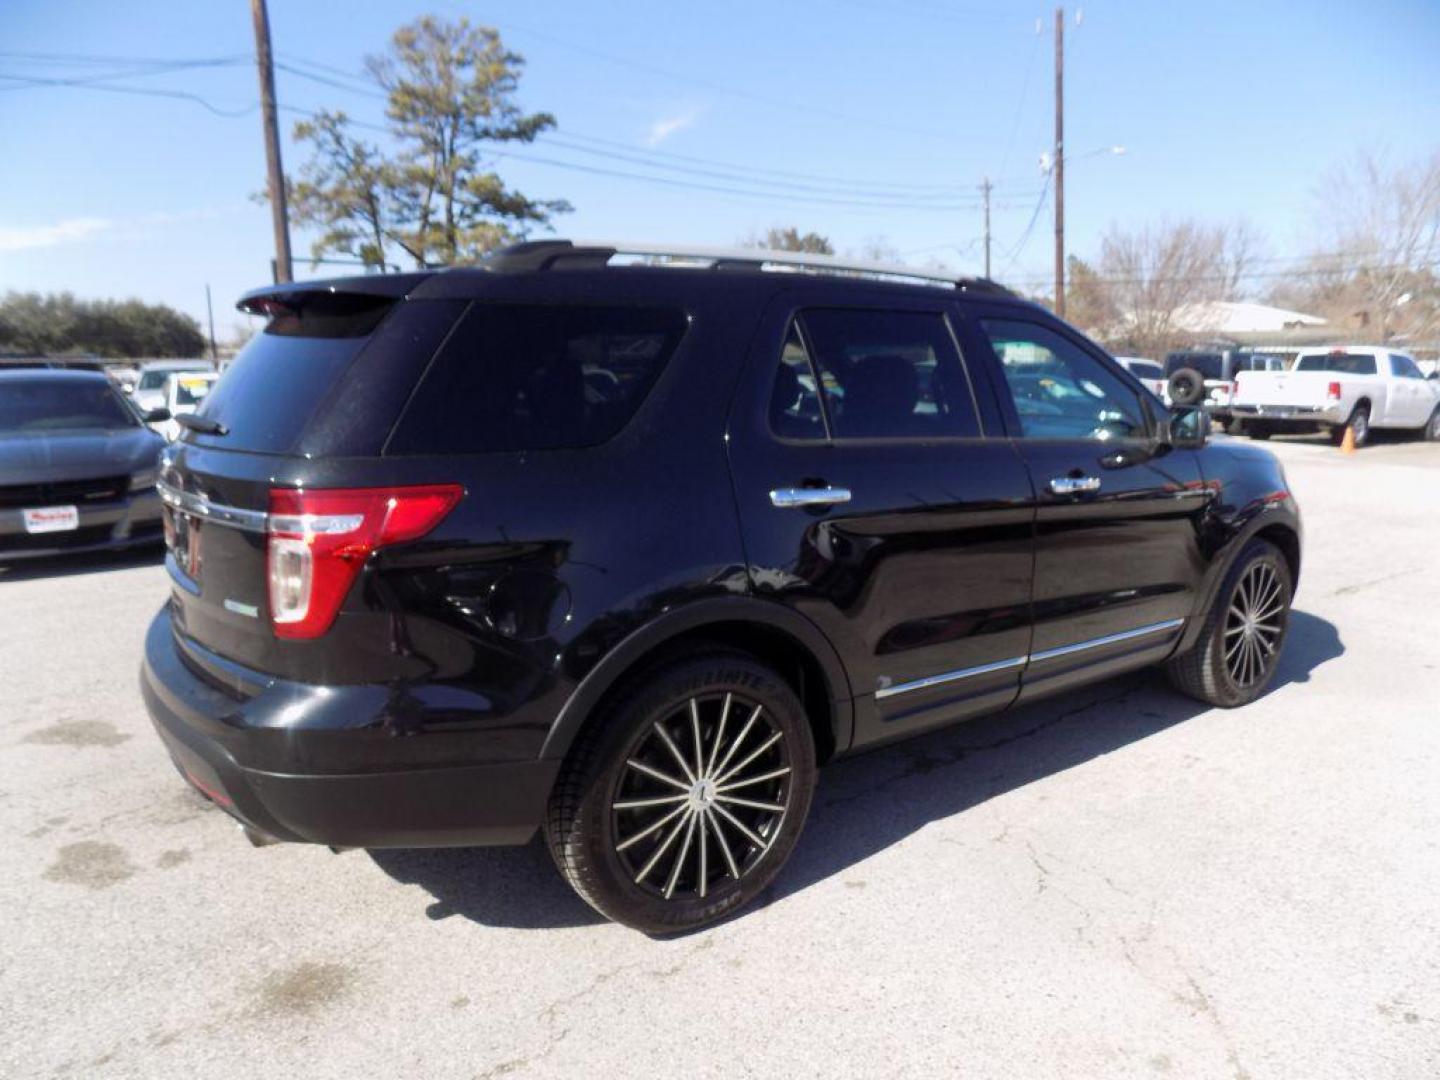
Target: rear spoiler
[294,295]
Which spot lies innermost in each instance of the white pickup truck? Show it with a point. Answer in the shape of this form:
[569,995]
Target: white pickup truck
[1359,387]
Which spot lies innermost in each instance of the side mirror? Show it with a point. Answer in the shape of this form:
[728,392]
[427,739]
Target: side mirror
[1186,428]
[156,416]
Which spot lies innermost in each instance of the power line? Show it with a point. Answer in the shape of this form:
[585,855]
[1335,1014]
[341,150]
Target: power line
[912,195]
[1200,279]
[182,95]
[1020,101]
[1030,226]
[722,88]
[759,170]
[817,183]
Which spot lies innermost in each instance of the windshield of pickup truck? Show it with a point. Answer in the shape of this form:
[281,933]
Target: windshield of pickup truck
[1340,363]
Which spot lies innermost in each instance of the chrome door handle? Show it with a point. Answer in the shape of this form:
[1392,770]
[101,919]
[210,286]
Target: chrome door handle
[826,496]
[1074,485]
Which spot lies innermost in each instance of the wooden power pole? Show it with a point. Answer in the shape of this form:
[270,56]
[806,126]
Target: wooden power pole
[1059,163]
[275,180]
[985,187]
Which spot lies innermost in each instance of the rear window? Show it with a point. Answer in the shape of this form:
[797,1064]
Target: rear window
[192,389]
[1142,370]
[1340,363]
[42,405]
[537,377]
[1210,365]
[276,384]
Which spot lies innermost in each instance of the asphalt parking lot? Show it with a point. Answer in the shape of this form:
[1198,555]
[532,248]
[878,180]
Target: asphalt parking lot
[1115,883]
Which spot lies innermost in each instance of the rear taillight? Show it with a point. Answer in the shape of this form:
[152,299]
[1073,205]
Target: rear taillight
[1332,392]
[318,540]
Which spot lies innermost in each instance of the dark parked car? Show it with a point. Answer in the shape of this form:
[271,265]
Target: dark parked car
[624,552]
[1207,377]
[77,466]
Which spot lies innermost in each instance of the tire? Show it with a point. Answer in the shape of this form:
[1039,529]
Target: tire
[1359,423]
[1431,431]
[1227,666]
[641,865]
[1187,387]
[1258,430]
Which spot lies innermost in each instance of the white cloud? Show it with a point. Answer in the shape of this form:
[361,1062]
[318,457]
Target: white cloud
[25,237]
[666,126]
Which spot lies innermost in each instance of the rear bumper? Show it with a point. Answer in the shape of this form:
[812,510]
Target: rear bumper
[1300,417]
[217,740]
[111,526]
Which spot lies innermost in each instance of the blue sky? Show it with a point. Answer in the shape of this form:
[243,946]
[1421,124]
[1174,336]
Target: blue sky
[1226,110]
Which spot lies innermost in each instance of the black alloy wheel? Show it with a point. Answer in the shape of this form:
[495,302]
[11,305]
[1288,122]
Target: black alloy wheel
[686,795]
[1254,624]
[1238,651]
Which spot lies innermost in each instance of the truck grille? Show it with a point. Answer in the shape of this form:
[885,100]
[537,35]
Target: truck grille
[63,493]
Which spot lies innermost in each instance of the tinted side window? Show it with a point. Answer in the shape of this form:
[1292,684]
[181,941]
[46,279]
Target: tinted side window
[1340,363]
[1060,390]
[1404,367]
[537,377]
[890,374]
[795,411]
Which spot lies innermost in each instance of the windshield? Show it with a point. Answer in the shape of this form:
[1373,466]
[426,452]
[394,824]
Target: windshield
[152,380]
[192,390]
[48,406]
[1340,363]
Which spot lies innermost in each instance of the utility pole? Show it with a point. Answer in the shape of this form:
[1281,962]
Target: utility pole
[210,309]
[275,183]
[985,187]
[1059,163]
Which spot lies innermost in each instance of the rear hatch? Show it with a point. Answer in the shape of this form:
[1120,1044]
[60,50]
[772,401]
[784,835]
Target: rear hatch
[307,404]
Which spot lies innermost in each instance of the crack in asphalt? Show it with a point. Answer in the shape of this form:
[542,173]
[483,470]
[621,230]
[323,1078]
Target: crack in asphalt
[549,1014]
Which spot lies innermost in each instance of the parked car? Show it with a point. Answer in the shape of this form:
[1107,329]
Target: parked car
[572,543]
[1149,372]
[149,392]
[1207,377]
[1356,388]
[124,376]
[77,466]
[183,393]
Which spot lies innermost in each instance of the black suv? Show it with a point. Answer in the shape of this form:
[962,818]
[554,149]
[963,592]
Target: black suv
[622,545]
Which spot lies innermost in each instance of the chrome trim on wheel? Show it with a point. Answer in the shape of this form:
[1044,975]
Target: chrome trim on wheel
[1254,625]
[698,781]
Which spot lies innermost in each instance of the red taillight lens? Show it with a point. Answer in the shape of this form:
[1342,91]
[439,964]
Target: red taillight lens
[318,540]
[1332,392]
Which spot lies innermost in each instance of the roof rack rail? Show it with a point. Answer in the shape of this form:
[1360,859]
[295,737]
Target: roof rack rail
[557,254]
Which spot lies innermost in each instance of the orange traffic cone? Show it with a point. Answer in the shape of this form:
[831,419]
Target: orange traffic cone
[1347,443]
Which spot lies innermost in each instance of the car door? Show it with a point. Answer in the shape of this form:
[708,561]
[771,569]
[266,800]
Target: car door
[1411,400]
[879,498]
[1118,517]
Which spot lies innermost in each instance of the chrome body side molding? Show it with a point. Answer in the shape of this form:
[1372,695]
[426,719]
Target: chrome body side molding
[888,691]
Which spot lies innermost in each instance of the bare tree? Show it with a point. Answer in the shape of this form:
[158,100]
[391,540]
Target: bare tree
[1242,249]
[1155,273]
[1379,234]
